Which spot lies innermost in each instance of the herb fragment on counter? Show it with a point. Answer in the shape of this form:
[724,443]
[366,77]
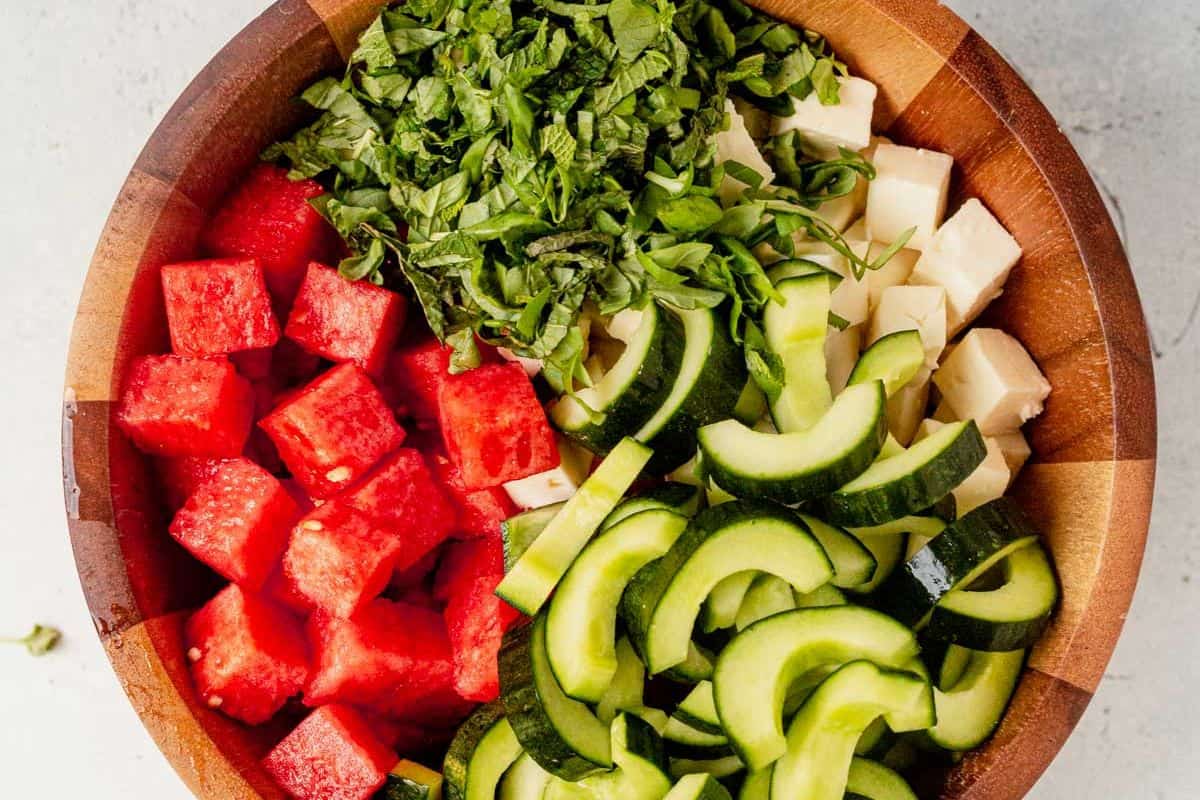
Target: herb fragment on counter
[41,640]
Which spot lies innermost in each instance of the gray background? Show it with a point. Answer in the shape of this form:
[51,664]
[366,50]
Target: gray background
[83,85]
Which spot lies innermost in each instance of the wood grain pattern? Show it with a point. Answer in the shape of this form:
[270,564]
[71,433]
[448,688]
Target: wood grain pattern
[1071,301]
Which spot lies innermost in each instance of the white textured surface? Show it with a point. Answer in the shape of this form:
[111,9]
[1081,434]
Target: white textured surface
[84,84]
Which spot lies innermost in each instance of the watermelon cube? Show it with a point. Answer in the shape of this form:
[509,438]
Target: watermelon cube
[339,559]
[346,320]
[332,755]
[247,655]
[465,563]
[180,477]
[494,428]
[403,496]
[237,522]
[415,376]
[178,406]
[217,307]
[292,365]
[476,620]
[253,364]
[334,430]
[268,217]
[480,512]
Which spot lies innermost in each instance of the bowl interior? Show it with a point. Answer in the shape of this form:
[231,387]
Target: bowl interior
[1071,301]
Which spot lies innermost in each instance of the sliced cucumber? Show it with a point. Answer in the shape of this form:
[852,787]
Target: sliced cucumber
[627,690]
[698,786]
[971,709]
[871,781]
[661,610]
[539,569]
[894,359]
[517,533]
[409,780]
[768,595]
[796,467]
[710,381]
[683,741]
[822,736]
[682,498]
[756,669]
[630,393]
[561,734]
[483,749]
[909,482]
[1010,617]
[821,597]
[853,563]
[961,553]
[525,780]
[757,786]
[724,601]
[698,709]
[888,550]
[751,404]
[875,740]
[696,666]
[798,268]
[640,772]
[581,627]
[716,767]
[795,331]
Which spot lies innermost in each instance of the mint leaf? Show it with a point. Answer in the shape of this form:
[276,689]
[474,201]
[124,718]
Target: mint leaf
[635,27]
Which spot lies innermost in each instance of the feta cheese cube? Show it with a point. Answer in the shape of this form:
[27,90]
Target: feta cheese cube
[970,257]
[927,427]
[857,232]
[736,144]
[909,191]
[1015,449]
[823,129]
[906,408]
[555,485]
[913,308]
[992,379]
[943,412]
[846,209]
[841,354]
[894,273]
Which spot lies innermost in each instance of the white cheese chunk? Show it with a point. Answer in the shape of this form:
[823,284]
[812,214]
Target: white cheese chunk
[823,129]
[906,408]
[970,257]
[913,308]
[909,191]
[857,232]
[555,485]
[992,379]
[927,428]
[943,412]
[894,273]
[1015,449]
[624,324]
[736,144]
[841,354]
[990,479]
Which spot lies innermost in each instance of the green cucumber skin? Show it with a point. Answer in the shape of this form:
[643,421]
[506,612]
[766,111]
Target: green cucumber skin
[682,498]
[403,789]
[458,756]
[520,531]
[712,399]
[704,787]
[534,729]
[913,590]
[912,493]
[993,637]
[650,386]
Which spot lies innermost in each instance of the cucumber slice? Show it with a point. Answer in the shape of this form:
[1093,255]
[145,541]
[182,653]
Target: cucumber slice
[853,563]
[483,749]
[971,709]
[716,767]
[965,550]
[683,741]
[822,736]
[751,404]
[721,607]
[799,267]
[875,740]
[581,627]
[682,498]
[698,786]
[699,711]
[888,550]
[640,772]
[795,467]
[795,331]
[409,780]
[1011,617]
[894,359]
[539,569]
[517,533]
[710,381]
[758,667]
[627,690]
[630,393]
[871,781]
[525,780]
[661,610]
[822,597]
[696,666]
[768,595]
[561,734]
[911,481]
[757,786]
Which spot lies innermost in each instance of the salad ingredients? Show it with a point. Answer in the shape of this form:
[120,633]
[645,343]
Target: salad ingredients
[39,641]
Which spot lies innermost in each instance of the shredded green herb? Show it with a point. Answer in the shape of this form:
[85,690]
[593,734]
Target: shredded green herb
[41,640]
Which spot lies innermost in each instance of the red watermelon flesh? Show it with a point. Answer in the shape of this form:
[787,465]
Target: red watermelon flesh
[479,512]
[217,307]
[466,562]
[332,755]
[237,522]
[476,620]
[247,655]
[254,364]
[346,320]
[181,476]
[415,376]
[334,430]
[179,406]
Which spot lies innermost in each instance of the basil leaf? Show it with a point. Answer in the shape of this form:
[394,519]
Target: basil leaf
[691,214]
[635,27]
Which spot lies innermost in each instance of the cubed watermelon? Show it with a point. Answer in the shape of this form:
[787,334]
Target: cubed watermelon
[279,590]
[480,512]
[237,522]
[339,559]
[494,427]
[417,577]
[346,320]
[180,477]
[332,755]
[292,365]
[404,497]
[254,364]
[247,655]
[384,655]
[476,620]
[179,406]
[333,431]
[415,376]
[465,563]
[268,217]
[217,307]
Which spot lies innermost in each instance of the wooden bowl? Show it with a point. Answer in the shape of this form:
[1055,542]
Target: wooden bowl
[1072,301]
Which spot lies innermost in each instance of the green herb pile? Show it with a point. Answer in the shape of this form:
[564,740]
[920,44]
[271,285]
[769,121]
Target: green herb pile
[509,162]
